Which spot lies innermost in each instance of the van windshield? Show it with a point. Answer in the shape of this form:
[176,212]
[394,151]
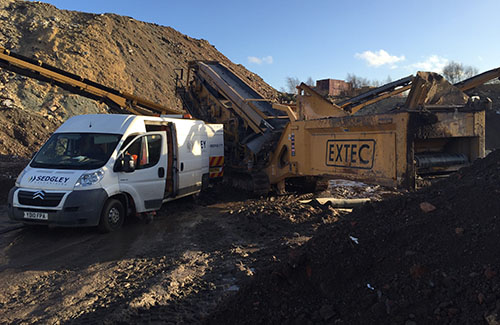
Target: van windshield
[76,151]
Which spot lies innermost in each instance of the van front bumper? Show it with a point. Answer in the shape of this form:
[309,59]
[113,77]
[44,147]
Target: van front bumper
[79,209]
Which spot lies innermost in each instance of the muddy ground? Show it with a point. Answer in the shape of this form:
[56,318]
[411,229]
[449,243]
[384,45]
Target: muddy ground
[177,269]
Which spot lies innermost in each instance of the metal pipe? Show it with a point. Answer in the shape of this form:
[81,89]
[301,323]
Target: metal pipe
[427,160]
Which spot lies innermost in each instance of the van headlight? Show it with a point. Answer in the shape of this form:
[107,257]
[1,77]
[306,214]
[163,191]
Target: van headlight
[88,179]
[19,178]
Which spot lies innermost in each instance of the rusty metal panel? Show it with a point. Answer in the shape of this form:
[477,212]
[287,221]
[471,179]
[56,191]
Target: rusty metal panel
[447,124]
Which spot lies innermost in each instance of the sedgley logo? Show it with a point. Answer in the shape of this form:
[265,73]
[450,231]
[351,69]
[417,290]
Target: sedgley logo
[49,179]
[39,195]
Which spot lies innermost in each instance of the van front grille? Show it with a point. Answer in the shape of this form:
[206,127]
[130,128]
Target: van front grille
[39,198]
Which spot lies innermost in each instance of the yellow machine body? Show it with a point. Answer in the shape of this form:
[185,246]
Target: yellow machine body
[379,148]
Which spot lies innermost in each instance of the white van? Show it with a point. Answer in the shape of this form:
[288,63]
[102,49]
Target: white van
[96,169]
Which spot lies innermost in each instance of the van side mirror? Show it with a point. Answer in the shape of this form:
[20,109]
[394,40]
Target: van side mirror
[125,163]
[128,163]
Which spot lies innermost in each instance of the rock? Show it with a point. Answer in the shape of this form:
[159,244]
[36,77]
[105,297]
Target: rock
[449,282]
[379,309]
[489,273]
[427,207]
[326,312]
[233,288]
[492,319]
[481,298]
[9,103]
[417,271]
[444,304]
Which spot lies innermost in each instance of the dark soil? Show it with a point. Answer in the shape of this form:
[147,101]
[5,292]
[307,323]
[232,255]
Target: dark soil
[408,266]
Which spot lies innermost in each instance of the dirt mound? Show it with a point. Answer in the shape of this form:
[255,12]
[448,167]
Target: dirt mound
[119,52]
[265,216]
[28,128]
[427,257]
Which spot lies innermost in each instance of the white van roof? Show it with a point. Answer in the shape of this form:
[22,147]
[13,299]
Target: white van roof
[97,123]
[116,123]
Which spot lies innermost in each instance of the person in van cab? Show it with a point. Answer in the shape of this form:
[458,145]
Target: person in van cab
[91,150]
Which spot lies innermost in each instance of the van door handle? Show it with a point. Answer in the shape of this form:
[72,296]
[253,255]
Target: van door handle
[161,172]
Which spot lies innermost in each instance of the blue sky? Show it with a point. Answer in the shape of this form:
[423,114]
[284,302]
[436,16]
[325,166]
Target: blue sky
[328,39]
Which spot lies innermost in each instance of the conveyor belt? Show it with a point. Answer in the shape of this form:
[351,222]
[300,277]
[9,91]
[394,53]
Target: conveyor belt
[246,92]
[372,96]
[266,122]
[79,85]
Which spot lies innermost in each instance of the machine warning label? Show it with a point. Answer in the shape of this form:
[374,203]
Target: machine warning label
[350,153]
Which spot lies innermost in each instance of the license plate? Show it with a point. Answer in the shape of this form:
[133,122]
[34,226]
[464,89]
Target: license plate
[36,215]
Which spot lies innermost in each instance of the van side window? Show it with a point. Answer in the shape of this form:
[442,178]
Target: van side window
[146,151]
[127,140]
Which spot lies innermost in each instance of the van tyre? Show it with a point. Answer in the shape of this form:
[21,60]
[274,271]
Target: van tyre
[112,216]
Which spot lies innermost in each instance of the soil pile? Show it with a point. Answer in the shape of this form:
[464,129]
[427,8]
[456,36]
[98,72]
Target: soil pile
[267,215]
[429,257]
[117,51]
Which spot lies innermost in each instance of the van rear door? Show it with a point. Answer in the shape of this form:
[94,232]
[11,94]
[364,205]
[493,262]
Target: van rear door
[146,183]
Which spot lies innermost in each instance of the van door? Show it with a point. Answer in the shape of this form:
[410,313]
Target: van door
[146,183]
[172,177]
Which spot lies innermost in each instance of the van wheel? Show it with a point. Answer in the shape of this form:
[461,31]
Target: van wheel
[112,216]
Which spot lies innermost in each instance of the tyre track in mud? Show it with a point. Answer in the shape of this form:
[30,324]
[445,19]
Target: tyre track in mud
[177,269]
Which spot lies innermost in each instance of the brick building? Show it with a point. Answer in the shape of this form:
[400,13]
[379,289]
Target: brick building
[333,87]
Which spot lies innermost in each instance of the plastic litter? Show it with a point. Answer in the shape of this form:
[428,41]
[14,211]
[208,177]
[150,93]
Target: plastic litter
[354,239]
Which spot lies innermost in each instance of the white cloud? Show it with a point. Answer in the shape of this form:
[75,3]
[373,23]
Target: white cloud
[266,59]
[379,58]
[434,63]
[254,59]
